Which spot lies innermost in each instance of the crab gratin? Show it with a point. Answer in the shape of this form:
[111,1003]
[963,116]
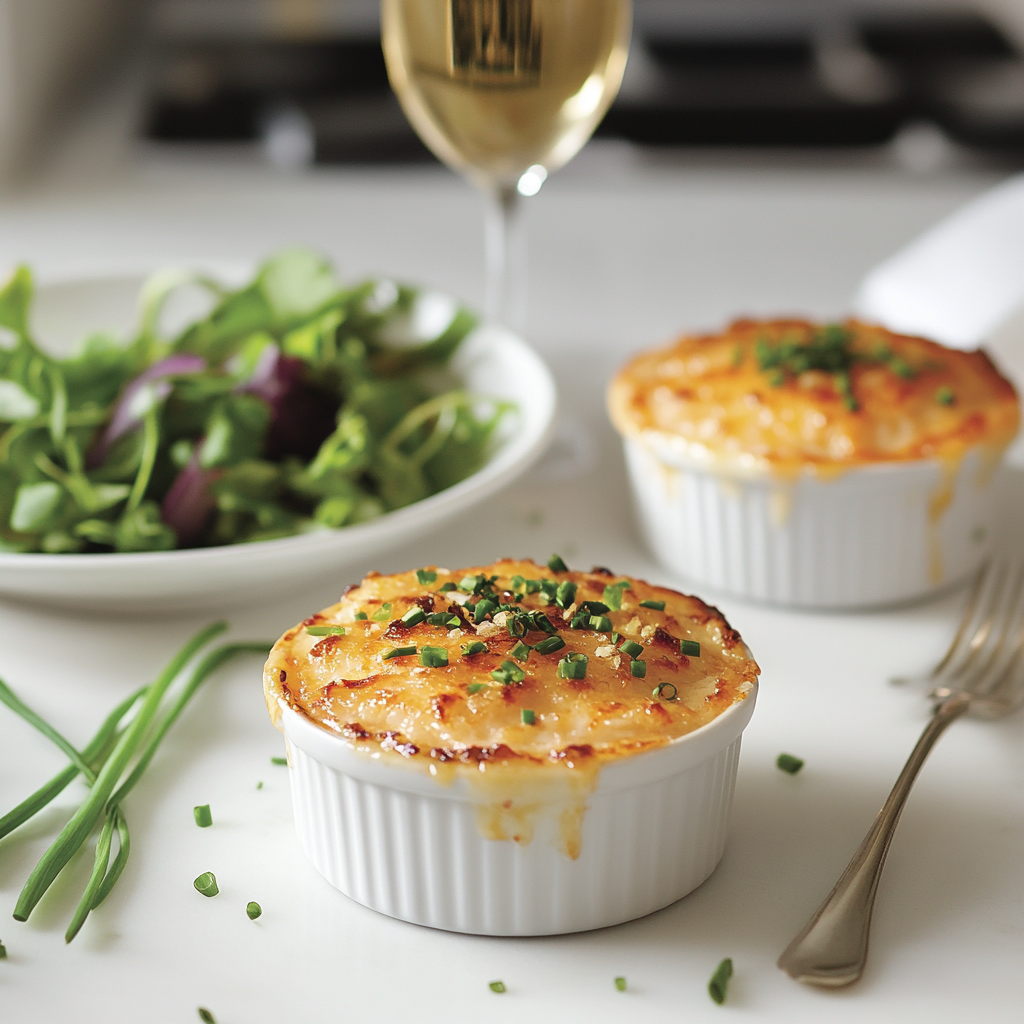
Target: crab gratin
[790,396]
[511,675]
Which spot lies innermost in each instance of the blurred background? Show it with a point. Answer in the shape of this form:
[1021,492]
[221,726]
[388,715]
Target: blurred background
[292,83]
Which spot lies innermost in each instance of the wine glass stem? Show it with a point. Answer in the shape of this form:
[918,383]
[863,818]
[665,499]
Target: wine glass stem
[505,296]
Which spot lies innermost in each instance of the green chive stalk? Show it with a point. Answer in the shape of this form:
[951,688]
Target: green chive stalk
[81,824]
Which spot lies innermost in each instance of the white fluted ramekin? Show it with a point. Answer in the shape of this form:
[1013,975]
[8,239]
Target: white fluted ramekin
[873,535]
[396,840]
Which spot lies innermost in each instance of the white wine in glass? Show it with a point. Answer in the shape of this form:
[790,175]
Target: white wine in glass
[505,91]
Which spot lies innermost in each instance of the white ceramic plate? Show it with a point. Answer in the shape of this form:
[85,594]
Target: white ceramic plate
[492,362]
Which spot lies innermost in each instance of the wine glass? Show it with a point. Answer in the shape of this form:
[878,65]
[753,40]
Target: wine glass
[505,92]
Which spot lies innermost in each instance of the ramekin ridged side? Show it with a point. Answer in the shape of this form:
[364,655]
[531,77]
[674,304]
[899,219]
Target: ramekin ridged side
[868,537]
[396,840]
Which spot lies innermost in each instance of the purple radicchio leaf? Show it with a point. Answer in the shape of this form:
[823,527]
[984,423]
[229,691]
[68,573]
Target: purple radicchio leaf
[302,416]
[124,417]
[188,504]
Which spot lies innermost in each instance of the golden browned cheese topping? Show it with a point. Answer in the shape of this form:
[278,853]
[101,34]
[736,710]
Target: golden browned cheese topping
[789,395]
[510,662]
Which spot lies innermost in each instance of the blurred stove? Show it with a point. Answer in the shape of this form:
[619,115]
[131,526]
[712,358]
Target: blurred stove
[305,79]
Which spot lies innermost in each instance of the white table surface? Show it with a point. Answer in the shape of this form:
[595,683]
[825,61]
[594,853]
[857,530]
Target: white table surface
[623,254]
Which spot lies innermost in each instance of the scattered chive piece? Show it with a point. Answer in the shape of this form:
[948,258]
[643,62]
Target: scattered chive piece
[476,647]
[476,687]
[659,691]
[566,594]
[945,396]
[580,621]
[326,630]
[253,910]
[259,785]
[483,609]
[518,583]
[658,606]
[691,648]
[442,619]
[434,657]
[632,648]
[601,623]
[573,666]
[555,564]
[205,1016]
[620,984]
[638,669]
[497,986]
[279,760]
[549,588]
[202,815]
[425,576]
[413,617]
[594,607]
[549,646]
[447,588]
[206,883]
[543,623]
[468,583]
[527,716]
[399,652]
[521,651]
[509,672]
[361,616]
[383,613]
[788,763]
[3,951]
[612,595]
[616,637]
[720,981]
[533,586]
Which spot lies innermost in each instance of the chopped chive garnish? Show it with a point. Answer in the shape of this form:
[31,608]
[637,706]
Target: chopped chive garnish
[945,396]
[601,623]
[566,594]
[691,648]
[549,588]
[620,984]
[445,619]
[658,606]
[573,666]
[612,595]
[788,763]
[413,617]
[447,588]
[325,630]
[259,785]
[475,647]
[383,613]
[361,616]
[469,583]
[517,583]
[206,883]
[279,760]
[476,687]
[425,576]
[616,637]
[555,564]
[509,672]
[483,609]
[521,651]
[594,607]
[204,819]
[518,625]
[580,621]
[549,646]
[253,910]
[543,623]
[434,657]
[527,716]
[497,986]
[399,652]
[632,648]
[3,951]
[720,981]
[638,669]
[661,691]
[205,1016]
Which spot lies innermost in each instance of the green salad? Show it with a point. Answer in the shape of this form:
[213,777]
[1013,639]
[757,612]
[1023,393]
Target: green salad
[293,404]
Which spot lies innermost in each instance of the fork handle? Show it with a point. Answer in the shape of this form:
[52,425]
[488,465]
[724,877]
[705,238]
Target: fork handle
[833,946]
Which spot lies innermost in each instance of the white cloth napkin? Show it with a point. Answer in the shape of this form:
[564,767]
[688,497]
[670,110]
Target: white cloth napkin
[961,280]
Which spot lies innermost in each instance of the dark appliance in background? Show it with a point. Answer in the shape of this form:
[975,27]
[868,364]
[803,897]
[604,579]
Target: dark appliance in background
[725,73]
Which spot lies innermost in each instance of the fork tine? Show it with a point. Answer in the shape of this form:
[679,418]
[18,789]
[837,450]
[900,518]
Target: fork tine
[1006,652]
[965,620]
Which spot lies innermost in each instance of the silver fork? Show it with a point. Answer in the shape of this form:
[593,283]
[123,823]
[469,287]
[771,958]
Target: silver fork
[982,672]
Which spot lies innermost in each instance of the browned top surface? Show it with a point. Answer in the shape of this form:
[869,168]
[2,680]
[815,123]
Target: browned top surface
[344,683]
[907,398]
